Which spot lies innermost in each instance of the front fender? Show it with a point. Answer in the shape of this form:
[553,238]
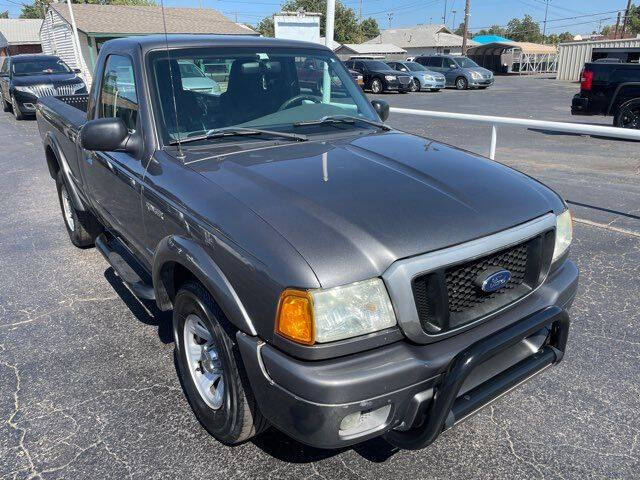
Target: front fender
[51,142]
[192,256]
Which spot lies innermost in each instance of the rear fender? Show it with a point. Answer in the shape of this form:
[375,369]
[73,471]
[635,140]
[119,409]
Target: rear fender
[51,142]
[193,257]
[624,92]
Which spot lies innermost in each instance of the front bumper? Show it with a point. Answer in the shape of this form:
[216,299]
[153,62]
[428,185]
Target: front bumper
[484,82]
[421,383]
[428,84]
[26,101]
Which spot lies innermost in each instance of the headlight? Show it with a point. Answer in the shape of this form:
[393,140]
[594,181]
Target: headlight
[476,75]
[336,313]
[390,77]
[564,234]
[428,78]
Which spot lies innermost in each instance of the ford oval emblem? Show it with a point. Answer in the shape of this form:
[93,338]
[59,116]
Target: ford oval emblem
[494,279]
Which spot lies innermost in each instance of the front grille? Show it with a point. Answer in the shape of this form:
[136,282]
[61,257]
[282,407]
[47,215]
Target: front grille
[43,90]
[404,80]
[66,89]
[450,297]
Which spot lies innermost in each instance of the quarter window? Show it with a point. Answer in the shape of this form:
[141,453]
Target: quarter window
[118,93]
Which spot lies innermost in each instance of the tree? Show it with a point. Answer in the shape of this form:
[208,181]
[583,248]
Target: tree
[38,7]
[525,30]
[369,29]
[4,14]
[493,30]
[265,27]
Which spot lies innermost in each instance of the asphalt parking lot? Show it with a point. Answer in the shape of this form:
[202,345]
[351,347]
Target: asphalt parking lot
[87,379]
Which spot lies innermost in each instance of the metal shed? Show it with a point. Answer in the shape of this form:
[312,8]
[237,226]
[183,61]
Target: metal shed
[573,55]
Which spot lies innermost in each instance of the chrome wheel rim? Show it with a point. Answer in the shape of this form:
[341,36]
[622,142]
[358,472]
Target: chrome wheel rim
[376,87]
[414,85]
[66,209]
[203,361]
[461,84]
[631,118]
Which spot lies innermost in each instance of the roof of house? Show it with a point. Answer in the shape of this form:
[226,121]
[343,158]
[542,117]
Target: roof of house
[135,20]
[19,31]
[420,36]
[334,45]
[373,48]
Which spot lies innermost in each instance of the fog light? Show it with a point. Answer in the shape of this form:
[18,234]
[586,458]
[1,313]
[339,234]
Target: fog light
[363,421]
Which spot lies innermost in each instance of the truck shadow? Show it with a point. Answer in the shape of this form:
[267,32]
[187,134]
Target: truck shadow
[286,449]
[145,311]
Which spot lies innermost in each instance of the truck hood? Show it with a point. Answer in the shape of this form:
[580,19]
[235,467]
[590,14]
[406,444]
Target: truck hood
[353,206]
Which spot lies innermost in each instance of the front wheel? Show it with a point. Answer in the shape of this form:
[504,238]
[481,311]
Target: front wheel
[628,115]
[211,369]
[414,86]
[376,85]
[16,109]
[461,83]
[6,106]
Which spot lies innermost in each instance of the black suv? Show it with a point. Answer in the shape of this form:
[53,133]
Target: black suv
[25,78]
[380,77]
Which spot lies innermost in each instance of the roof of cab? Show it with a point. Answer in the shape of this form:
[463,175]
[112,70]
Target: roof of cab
[152,42]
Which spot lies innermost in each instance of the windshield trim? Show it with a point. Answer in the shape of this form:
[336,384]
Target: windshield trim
[164,140]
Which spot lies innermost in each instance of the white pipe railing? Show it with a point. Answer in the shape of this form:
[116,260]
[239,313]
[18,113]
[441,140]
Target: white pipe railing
[580,128]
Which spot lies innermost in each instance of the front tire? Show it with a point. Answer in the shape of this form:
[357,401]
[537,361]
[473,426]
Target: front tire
[376,85]
[6,106]
[81,226]
[16,109]
[628,115]
[462,83]
[211,370]
[414,86]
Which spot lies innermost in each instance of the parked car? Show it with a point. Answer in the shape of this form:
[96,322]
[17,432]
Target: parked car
[422,78]
[328,275]
[611,89]
[379,77]
[25,78]
[194,79]
[460,72]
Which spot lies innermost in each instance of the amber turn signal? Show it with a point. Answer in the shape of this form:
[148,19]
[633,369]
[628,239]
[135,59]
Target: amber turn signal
[295,317]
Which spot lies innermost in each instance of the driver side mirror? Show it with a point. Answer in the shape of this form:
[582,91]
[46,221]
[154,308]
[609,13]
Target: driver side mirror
[104,134]
[382,108]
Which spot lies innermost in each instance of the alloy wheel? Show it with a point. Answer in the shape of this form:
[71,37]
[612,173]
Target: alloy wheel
[204,361]
[630,118]
[376,86]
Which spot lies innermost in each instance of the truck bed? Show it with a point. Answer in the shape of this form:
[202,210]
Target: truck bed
[71,109]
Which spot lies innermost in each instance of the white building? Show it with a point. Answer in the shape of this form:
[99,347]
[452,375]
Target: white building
[99,23]
[573,55]
[423,39]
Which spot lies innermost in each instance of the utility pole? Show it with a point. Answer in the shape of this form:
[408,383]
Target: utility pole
[453,24]
[390,17]
[544,28]
[465,33]
[444,16]
[615,34]
[360,15]
[626,19]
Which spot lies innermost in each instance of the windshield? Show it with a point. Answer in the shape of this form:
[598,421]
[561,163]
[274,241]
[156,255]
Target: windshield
[376,65]
[415,67]
[274,88]
[189,70]
[465,62]
[40,66]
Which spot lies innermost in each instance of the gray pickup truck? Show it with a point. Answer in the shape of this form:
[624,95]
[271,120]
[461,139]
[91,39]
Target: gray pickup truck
[328,275]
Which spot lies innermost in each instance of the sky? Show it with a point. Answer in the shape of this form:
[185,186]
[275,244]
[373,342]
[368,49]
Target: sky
[563,15]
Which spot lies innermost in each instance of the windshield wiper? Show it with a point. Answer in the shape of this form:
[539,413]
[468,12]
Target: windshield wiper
[342,119]
[239,131]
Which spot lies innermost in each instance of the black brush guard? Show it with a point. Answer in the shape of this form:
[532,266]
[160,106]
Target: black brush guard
[430,418]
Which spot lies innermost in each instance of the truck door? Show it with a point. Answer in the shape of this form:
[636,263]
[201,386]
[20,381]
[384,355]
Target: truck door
[115,178]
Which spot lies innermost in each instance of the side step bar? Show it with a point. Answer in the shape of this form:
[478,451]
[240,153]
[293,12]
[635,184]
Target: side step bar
[125,266]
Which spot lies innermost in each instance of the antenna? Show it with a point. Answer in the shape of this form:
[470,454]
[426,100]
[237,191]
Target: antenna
[173,91]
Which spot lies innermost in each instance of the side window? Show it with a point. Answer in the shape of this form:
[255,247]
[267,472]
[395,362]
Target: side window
[118,92]
[435,62]
[360,67]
